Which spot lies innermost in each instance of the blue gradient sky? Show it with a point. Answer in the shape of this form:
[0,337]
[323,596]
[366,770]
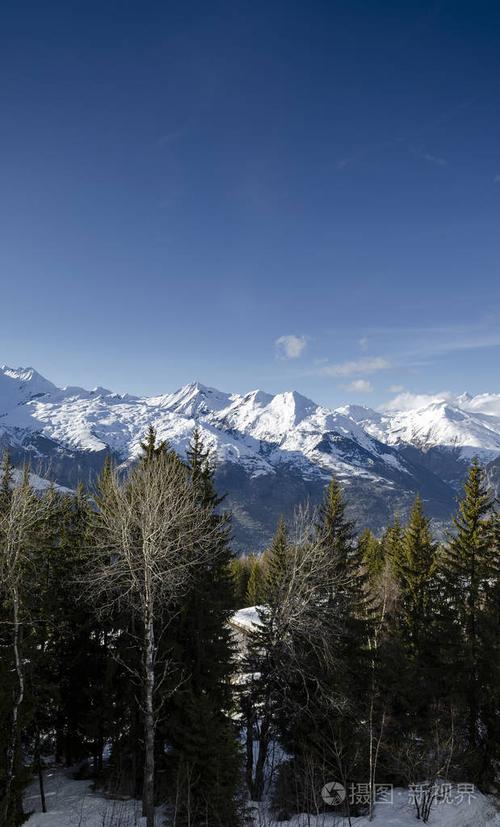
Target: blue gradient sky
[183,184]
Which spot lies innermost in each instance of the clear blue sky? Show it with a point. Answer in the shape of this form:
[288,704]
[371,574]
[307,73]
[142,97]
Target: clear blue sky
[182,184]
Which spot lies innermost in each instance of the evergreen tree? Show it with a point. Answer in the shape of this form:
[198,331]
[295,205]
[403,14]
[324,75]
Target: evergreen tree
[335,533]
[371,554]
[276,565]
[6,473]
[74,661]
[472,569]
[241,569]
[416,564]
[150,447]
[200,726]
[256,583]
[391,543]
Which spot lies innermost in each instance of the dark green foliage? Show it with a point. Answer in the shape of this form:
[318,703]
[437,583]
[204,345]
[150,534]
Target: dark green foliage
[365,646]
[6,472]
[256,584]
[472,569]
[391,543]
[371,554]
[150,447]
[276,560]
[416,565]
[199,726]
[348,582]
[247,579]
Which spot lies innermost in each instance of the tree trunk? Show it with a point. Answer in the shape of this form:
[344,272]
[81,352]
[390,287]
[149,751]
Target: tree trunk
[17,701]
[249,718]
[39,769]
[260,764]
[148,803]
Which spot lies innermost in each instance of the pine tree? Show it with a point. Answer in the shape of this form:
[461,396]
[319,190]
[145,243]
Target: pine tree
[241,569]
[415,562]
[335,533]
[200,726]
[371,554]
[6,473]
[392,542]
[150,447]
[416,565]
[74,661]
[350,611]
[255,590]
[471,567]
[275,564]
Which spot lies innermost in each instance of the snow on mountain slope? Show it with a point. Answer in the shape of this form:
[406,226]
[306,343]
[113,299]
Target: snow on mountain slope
[446,425]
[192,400]
[20,385]
[462,424]
[37,483]
[486,403]
[257,430]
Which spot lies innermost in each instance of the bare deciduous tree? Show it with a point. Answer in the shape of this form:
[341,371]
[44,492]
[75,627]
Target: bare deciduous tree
[151,536]
[425,763]
[21,519]
[299,618]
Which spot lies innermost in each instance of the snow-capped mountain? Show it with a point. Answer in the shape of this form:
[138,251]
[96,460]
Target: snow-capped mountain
[271,450]
[469,425]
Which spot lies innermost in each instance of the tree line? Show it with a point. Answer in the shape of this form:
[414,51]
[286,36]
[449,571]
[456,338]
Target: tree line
[373,659]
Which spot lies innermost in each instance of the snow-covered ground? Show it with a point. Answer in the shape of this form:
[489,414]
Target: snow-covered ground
[481,811]
[72,803]
[246,619]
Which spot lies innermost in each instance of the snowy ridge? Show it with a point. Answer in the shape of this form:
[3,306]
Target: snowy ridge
[468,424]
[257,430]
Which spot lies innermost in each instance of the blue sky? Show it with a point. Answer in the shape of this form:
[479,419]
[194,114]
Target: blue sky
[252,194]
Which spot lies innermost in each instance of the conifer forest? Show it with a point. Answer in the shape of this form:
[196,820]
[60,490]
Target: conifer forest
[369,660]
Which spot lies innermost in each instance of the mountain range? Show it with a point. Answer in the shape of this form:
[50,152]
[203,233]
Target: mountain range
[271,451]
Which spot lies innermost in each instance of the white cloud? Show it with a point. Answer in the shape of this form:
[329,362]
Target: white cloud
[431,159]
[359,386]
[290,347]
[396,388]
[411,401]
[363,343]
[368,365]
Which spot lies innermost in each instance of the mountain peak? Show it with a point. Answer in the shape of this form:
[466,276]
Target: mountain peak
[192,400]
[20,385]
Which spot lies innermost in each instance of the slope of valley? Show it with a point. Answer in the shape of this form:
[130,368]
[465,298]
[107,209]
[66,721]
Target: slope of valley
[271,452]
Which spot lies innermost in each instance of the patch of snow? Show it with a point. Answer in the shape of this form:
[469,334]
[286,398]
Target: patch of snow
[247,619]
[481,811]
[72,803]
